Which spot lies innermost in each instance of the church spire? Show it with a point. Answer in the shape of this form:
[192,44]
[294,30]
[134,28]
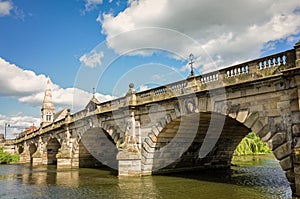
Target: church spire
[47,107]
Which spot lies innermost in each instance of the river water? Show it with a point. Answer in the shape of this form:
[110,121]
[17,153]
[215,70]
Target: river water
[254,177]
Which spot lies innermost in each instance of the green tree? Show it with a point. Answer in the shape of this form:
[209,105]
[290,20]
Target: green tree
[250,145]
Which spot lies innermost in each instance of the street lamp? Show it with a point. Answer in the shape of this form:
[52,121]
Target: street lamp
[5,125]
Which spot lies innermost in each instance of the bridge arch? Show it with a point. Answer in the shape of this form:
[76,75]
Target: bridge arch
[236,126]
[96,148]
[52,148]
[32,149]
[20,149]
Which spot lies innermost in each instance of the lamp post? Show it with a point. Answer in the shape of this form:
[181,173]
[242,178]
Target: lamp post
[5,125]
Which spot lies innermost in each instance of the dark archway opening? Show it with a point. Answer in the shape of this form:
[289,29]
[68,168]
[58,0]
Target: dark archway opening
[52,150]
[215,137]
[20,149]
[32,150]
[86,159]
[97,149]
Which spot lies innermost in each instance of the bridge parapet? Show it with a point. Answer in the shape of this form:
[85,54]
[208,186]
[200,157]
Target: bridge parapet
[163,92]
[259,68]
[240,73]
[244,72]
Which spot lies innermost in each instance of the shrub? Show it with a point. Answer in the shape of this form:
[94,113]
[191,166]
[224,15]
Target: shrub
[250,145]
[7,157]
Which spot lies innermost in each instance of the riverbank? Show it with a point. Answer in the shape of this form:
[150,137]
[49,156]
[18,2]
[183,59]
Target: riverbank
[6,158]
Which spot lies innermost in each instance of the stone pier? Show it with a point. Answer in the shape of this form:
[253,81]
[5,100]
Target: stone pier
[129,163]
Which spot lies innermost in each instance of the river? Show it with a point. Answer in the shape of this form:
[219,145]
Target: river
[254,177]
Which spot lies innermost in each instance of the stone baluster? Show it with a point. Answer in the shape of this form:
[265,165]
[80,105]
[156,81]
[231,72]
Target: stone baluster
[274,63]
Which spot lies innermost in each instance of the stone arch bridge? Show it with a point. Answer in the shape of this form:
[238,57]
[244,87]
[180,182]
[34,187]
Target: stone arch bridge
[193,123]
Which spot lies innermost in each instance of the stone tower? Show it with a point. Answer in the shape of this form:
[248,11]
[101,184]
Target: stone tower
[47,107]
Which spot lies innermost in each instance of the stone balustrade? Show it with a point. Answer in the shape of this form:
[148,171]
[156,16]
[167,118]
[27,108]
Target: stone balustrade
[244,72]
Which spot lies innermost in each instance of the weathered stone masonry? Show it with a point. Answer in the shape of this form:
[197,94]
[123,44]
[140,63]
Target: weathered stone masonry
[194,123]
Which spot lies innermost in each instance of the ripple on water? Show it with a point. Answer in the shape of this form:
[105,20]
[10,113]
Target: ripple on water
[262,179]
[264,174]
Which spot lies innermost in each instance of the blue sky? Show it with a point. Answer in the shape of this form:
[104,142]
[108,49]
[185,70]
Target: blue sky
[50,35]
[106,44]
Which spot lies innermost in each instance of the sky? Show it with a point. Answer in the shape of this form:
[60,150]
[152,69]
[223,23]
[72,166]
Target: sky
[107,44]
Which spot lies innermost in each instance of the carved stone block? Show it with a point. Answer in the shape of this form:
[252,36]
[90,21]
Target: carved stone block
[251,119]
[283,151]
[277,140]
[242,115]
[286,163]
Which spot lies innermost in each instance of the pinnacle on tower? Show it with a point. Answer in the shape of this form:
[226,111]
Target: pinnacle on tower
[47,107]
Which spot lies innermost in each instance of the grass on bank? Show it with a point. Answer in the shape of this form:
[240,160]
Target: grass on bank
[7,157]
[251,145]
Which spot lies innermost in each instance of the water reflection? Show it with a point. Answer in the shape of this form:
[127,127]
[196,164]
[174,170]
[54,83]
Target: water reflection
[258,178]
[139,188]
[67,178]
[263,173]
[48,175]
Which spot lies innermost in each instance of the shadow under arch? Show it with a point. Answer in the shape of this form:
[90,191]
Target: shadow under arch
[235,128]
[97,148]
[52,147]
[20,149]
[32,149]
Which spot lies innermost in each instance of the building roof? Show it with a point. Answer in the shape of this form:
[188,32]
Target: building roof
[30,129]
[60,115]
[95,101]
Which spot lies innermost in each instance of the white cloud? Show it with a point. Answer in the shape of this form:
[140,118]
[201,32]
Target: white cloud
[143,88]
[91,4]
[29,88]
[5,8]
[17,124]
[230,31]
[92,60]
[16,82]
